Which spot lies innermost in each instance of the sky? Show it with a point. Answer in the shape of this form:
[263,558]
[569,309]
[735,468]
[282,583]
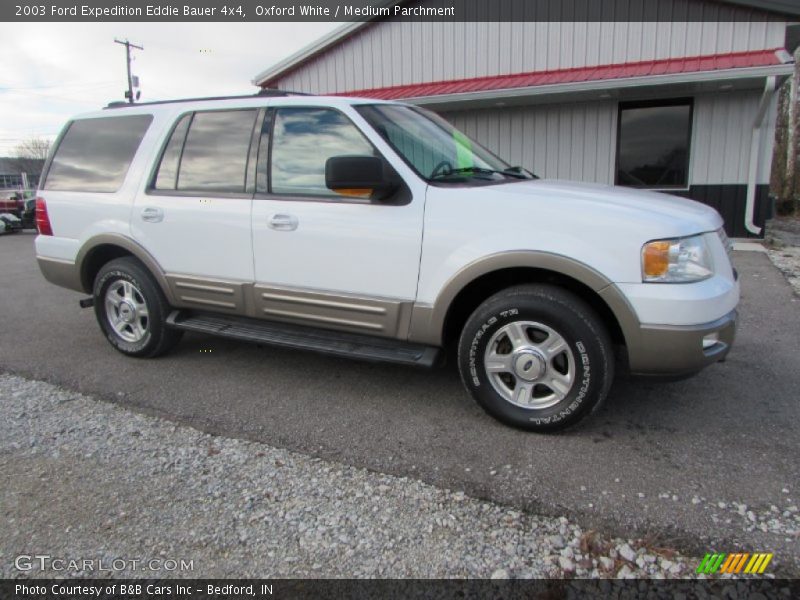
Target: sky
[50,72]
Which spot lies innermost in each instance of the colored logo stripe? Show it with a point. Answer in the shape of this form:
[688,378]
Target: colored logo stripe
[758,563]
[711,563]
[734,563]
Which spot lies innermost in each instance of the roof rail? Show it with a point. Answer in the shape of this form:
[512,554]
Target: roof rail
[263,93]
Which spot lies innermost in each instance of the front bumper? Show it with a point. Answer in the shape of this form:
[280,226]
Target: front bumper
[679,349]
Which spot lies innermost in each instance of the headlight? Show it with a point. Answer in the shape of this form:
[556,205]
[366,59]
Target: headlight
[679,260]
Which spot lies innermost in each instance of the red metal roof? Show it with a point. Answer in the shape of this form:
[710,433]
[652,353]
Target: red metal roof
[692,64]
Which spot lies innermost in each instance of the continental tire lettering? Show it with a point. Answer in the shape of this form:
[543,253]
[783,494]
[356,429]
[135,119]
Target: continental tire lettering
[587,371]
[473,348]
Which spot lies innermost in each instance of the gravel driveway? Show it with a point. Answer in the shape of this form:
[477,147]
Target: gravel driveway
[87,479]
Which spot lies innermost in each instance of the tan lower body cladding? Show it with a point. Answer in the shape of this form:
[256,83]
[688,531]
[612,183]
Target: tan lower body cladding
[373,316]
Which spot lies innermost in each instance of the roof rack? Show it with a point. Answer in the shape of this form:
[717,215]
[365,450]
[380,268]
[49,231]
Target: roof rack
[263,93]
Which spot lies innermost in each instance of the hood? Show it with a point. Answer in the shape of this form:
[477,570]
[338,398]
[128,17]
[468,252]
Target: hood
[631,204]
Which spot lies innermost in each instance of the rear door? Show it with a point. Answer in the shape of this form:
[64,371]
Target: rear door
[194,215]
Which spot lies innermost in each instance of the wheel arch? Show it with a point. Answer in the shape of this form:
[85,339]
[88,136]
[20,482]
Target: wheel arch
[101,249]
[442,322]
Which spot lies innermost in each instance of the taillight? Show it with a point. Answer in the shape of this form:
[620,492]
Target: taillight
[42,220]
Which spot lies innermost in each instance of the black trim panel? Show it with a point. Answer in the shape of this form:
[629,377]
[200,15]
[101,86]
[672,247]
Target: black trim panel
[730,201]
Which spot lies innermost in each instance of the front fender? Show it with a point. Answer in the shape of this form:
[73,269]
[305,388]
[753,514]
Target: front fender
[428,319]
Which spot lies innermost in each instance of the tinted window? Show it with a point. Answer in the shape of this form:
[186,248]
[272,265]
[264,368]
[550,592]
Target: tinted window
[263,152]
[653,145]
[433,147]
[168,169]
[215,154]
[303,140]
[94,155]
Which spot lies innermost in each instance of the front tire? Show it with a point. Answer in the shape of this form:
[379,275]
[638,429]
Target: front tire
[131,309]
[536,357]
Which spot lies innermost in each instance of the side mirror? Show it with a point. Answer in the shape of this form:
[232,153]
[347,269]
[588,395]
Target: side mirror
[360,176]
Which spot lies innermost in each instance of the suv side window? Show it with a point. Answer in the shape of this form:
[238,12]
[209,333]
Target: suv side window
[208,152]
[303,139]
[167,176]
[94,155]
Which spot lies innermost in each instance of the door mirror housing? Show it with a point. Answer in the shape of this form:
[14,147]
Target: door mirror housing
[361,176]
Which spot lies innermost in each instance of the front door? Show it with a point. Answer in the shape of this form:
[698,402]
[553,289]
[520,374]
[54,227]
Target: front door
[324,258]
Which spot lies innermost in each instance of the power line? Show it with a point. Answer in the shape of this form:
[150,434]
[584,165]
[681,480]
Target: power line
[58,94]
[57,85]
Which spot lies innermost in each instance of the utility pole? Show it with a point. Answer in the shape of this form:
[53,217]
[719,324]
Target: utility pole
[128,46]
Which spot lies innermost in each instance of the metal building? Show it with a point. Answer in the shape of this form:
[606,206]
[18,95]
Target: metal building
[685,106]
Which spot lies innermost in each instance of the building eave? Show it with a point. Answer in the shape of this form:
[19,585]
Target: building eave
[317,47]
[628,83]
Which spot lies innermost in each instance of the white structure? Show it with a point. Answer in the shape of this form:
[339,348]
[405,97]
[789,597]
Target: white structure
[681,106]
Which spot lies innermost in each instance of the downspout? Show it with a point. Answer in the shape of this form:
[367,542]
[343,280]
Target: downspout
[755,155]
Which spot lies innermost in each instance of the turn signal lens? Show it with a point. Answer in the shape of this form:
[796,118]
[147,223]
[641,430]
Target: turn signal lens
[655,259]
[680,260]
[354,192]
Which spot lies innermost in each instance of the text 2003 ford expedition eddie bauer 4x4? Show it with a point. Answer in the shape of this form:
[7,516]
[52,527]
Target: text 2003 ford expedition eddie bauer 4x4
[376,230]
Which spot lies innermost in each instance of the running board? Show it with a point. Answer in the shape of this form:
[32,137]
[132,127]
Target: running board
[350,345]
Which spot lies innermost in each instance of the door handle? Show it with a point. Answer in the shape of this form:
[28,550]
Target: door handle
[283,222]
[152,214]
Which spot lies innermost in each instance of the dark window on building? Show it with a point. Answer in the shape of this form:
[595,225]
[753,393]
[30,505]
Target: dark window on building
[653,144]
[94,155]
[303,140]
[215,154]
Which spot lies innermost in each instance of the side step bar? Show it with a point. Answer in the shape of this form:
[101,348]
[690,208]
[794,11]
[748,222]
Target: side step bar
[350,345]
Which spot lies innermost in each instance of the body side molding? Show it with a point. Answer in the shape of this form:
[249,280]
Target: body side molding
[384,317]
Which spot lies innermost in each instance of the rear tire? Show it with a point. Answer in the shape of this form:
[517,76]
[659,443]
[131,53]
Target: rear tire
[132,310]
[536,357]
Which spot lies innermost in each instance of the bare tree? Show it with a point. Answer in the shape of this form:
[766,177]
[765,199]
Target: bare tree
[786,163]
[29,156]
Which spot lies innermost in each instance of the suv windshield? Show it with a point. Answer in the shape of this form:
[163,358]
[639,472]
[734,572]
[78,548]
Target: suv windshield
[436,150]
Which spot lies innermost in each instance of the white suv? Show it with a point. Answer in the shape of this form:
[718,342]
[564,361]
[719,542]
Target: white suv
[376,230]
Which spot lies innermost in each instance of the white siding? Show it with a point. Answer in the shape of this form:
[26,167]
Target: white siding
[392,53]
[579,141]
[565,141]
[721,137]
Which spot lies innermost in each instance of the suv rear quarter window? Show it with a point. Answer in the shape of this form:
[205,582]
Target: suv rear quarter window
[94,155]
[208,152]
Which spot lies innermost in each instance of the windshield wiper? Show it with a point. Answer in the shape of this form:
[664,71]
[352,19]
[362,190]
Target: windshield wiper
[510,172]
[520,172]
